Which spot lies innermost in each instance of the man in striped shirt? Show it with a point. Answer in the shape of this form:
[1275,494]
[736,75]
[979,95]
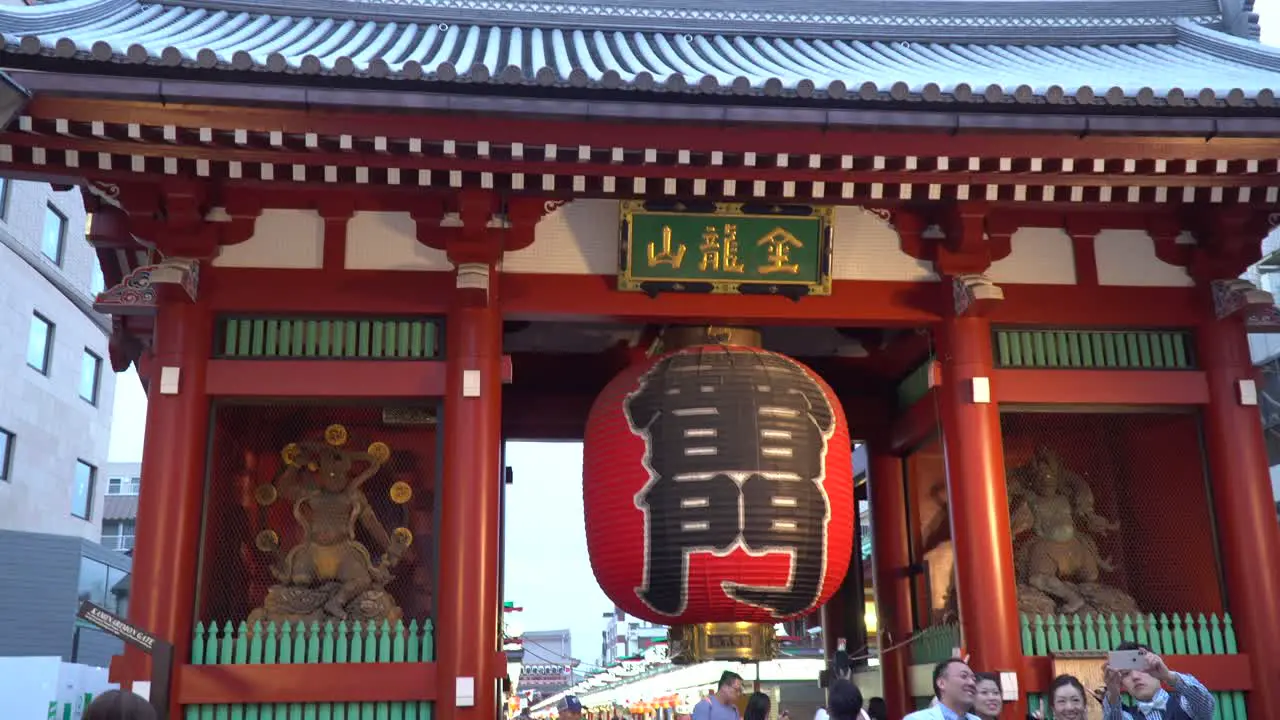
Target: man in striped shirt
[1186,698]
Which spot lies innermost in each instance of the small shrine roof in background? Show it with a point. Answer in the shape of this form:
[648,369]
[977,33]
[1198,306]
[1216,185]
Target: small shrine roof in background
[1119,52]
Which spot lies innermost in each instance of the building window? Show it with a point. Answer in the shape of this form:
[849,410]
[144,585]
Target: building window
[117,534]
[40,344]
[97,282]
[5,185]
[55,234]
[6,453]
[123,485]
[90,376]
[82,492]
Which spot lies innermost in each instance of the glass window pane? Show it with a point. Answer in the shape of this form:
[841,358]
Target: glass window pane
[82,493]
[6,453]
[4,197]
[93,581]
[97,283]
[113,485]
[38,341]
[55,230]
[90,371]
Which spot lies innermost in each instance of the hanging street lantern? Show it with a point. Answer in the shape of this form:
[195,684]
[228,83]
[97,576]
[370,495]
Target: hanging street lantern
[718,488]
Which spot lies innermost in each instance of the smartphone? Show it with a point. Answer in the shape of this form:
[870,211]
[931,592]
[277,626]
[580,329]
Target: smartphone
[1126,660]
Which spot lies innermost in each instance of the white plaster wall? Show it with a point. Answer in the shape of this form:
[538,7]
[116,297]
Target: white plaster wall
[1128,257]
[866,247]
[389,241]
[1037,255]
[53,426]
[291,239]
[577,238]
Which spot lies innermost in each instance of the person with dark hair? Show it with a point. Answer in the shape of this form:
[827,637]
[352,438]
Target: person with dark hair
[1068,698]
[1186,698]
[989,698]
[877,709]
[723,705]
[844,700]
[119,705]
[954,688]
[758,706]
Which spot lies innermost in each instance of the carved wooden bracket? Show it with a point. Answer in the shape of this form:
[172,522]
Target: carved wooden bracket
[140,292]
[975,294]
[1241,297]
[973,237]
[1229,240]
[122,345]
[479,226]
[184,219]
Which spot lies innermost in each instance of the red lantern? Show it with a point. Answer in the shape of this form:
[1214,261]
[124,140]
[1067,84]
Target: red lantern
[718,486]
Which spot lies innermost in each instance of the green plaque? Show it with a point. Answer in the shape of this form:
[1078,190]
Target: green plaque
[735,249]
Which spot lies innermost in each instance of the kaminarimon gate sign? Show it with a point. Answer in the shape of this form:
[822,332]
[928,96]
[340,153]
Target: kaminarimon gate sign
[352,247]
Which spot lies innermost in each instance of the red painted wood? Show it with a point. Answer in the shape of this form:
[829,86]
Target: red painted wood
[1217,672]
[339,378]
[167,550]
[891,560]
[1242,500]
[467,599]
[342,682]
[1082,306]
[603,133]
[1101,387]
[373,292]
[985,581]
[332,378]
[916,424]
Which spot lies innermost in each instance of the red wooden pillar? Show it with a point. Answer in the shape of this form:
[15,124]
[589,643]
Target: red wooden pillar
[978,500]
[470,505]
[167,548]
[833,626]
[1242,501]
[890,561]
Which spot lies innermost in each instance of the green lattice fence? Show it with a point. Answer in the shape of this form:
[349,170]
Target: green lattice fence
[261,338]
[313,644]
[1164,634]
[934,644]
[1095,349]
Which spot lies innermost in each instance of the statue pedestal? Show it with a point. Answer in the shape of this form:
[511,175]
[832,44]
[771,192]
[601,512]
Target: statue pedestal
[290,604]
[1099,600]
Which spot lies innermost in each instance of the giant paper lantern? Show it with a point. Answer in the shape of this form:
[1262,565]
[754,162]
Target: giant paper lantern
[718,486]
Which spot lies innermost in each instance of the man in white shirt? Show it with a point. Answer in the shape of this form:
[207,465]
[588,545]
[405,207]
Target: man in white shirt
[954,687]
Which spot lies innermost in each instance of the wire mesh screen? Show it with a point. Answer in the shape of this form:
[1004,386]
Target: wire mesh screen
[319,513]
[1110,513]
[932,553]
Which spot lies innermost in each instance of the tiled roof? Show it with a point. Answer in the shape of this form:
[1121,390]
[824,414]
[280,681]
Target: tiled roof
[1186,61]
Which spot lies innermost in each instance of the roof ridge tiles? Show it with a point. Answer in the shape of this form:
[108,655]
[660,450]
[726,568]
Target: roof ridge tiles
[1007,21]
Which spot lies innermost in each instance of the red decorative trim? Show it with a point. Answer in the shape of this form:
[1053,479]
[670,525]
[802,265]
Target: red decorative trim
[305,683]
[331,378]
[139,292]
[1100,387]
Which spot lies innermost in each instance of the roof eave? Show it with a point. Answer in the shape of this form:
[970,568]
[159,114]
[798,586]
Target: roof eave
[1204,122]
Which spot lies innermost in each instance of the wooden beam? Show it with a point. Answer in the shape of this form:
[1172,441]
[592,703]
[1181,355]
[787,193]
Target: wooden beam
[330,378]
[339,682]
[914,425]
[695,137]
[1100,387]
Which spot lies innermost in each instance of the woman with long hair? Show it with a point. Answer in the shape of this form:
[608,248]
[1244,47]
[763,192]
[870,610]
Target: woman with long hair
[119,705]
[989,700]
[758,706]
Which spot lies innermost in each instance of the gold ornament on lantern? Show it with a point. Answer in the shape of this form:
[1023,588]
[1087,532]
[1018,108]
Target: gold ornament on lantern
[289,454]
[403,536]
[265,494]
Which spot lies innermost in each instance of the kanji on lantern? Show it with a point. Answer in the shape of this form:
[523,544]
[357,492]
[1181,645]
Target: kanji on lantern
[718,486]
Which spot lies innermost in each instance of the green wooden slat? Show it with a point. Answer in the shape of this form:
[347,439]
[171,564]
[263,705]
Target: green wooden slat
[312,339]
[362,327]
[298,337]
[1002,348]
[1157,350]
[270,341]
[376,336]
[403,341]
[1144,350]
[1050,343]
[1015,349]
[1131,348]
[1037,350]
[1073,349]
[1064,350]
[432,340]
[416,340]
[323,347]
[230,329]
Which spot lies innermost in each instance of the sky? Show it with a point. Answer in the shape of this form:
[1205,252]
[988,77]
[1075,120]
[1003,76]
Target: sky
[547,569]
